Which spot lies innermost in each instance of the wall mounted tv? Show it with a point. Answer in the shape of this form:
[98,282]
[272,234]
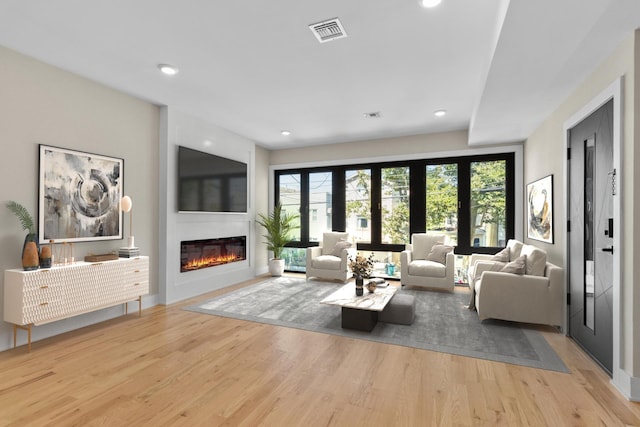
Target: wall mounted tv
[210,183]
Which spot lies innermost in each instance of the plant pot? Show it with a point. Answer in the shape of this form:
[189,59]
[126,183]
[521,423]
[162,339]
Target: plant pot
[276,267]
[30,253]
[359,286]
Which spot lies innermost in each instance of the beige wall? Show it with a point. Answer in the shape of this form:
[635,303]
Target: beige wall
[544,156]
[41,104]
[390,147]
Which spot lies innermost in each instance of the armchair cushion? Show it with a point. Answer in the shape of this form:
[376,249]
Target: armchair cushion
[439,253]
[502,256]
[536,260]
[421,267]
[515,247]
[518,266]
[339,246]
[422,244]
[326,262]
[329,240]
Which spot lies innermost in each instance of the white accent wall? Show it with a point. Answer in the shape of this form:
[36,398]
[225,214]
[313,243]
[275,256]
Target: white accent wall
[179,129]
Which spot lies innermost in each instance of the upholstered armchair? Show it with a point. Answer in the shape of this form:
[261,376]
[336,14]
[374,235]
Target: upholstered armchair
[428,262]
[330,260]
[535,294]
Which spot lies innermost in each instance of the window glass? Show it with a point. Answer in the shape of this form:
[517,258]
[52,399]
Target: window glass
[290,198]
[488,203]
[395,205]
[320,184]
[442,200]
[358,204]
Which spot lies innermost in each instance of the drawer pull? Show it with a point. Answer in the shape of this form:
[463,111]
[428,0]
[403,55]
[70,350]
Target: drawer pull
[44,287]
[136,271]
[136,284]
[44,303]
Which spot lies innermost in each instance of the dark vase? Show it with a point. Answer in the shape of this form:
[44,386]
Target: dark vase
[359,285]
[30,253]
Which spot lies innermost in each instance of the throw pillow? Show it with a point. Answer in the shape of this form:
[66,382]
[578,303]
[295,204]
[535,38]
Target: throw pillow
[502,256]
[340,245]
[439,253]
[517,266]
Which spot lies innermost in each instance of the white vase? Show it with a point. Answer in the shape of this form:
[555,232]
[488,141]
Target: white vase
[276,267]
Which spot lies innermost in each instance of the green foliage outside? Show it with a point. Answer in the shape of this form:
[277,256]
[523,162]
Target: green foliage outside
[487,198]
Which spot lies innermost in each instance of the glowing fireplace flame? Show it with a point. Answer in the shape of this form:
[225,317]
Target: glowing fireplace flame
[205,262]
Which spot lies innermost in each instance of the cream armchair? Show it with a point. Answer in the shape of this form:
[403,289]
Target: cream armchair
[522,298]
[330,260]
[427,262]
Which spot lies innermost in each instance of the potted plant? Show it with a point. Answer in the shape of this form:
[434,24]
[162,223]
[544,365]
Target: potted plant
[30,250]
[278,226]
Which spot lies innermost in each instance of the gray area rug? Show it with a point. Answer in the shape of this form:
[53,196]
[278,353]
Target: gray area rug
[442,322]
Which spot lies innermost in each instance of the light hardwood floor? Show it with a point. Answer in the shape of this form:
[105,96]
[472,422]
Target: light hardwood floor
[173,367]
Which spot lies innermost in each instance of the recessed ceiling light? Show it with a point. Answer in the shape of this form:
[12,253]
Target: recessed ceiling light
[430,3]
[285,132]
[167,69]
[440,113]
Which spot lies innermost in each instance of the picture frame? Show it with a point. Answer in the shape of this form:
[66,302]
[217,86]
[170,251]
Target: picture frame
[540,209]
[79,196]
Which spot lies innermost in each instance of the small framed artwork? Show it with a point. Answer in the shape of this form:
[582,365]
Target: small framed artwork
[79,196]
[540,209]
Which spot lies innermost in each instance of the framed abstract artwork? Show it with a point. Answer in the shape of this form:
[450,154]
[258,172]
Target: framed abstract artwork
[540,209]
[79,196]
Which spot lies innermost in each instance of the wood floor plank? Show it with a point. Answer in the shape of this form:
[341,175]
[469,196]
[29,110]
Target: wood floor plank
[172,367]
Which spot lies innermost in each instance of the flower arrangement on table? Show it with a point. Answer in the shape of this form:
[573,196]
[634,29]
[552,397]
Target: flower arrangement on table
[361,266]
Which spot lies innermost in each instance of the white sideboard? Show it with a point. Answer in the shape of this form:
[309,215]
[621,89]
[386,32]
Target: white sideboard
[36,297]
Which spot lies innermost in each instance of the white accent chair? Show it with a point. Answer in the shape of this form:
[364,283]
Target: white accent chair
[522,298]
[536,296]
[330,260]
[416,269]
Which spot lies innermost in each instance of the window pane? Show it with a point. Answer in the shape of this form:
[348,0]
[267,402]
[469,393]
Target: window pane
[488,203]
[395,205]
[319,204]
[442,200]
[290,198]
[358,204]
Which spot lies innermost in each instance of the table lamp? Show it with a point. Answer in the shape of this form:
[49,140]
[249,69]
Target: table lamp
[126,205]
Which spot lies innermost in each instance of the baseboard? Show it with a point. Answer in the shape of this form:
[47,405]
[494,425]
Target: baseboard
[628,385]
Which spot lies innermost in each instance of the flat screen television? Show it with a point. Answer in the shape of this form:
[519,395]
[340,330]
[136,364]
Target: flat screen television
[210,183]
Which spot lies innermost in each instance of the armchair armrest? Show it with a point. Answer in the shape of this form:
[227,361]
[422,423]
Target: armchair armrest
[406,257]
[314,251]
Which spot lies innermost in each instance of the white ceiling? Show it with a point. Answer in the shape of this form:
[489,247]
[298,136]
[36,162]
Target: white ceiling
[253,67]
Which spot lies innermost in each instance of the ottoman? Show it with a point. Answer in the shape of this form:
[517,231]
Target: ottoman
[401,309]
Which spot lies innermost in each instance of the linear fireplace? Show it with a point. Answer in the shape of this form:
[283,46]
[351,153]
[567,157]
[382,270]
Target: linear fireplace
[198,254]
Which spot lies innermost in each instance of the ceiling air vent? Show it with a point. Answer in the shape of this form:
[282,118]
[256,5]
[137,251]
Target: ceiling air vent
[328,30]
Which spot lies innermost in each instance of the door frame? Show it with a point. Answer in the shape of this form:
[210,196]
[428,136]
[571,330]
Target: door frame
[613,91]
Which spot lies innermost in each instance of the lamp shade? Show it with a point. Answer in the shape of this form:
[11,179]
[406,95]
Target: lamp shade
[126,204]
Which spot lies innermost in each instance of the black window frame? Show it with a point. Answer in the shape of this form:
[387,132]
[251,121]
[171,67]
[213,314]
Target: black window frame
[417,200]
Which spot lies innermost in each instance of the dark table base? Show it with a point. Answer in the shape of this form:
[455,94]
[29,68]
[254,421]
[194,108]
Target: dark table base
[361,320]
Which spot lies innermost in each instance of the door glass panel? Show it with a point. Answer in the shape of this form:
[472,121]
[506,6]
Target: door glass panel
[290,198]
[442,200]
[395,205]
[488,203]
[320,185]
[358,204]
[589,236]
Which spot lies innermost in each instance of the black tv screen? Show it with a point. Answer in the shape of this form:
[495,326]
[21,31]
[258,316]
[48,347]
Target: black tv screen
[210,183]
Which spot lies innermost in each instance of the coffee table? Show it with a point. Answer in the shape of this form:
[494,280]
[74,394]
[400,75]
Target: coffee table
[360,312]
